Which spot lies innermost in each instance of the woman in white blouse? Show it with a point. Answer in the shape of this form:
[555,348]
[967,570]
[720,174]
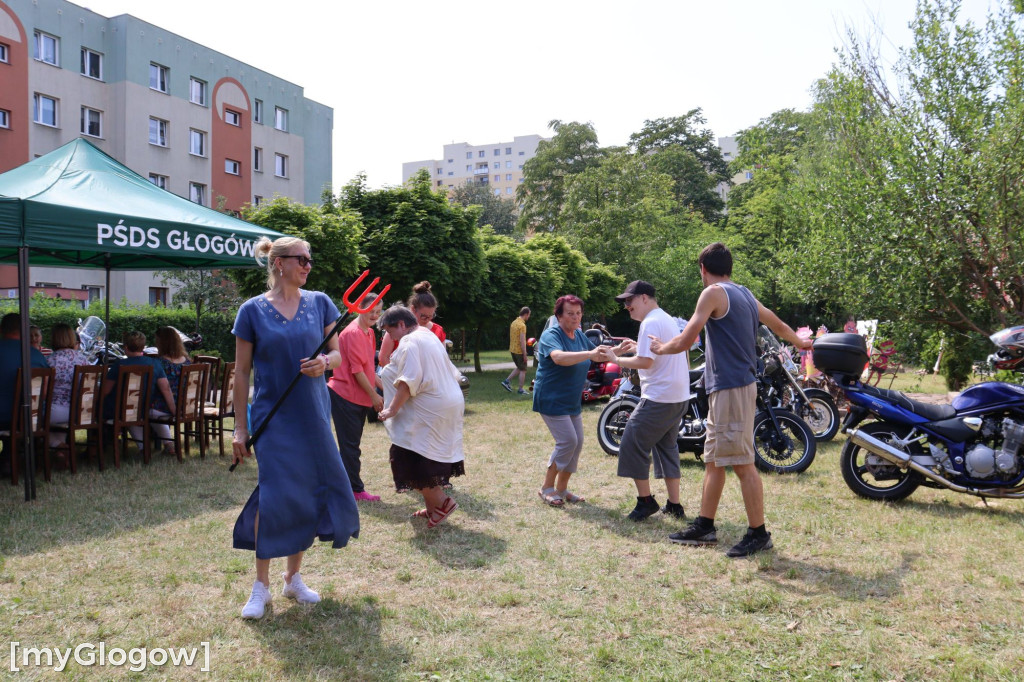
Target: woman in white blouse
[423,413]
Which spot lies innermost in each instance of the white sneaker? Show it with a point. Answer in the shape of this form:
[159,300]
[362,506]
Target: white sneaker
[258,601]
[296,589]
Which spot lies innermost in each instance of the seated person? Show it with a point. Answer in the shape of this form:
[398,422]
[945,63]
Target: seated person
[10,363]
[173,358]
[134,344]
[64,359]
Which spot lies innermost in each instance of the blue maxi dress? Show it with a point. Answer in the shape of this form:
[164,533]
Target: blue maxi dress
[303,490]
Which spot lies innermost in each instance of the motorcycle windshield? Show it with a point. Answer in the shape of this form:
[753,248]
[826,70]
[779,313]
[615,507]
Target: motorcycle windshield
[1010,338]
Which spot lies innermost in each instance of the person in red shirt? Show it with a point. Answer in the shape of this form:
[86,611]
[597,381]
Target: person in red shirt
[353,392]
[423,305]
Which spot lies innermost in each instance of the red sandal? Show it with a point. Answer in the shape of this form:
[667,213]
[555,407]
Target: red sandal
[441,513]
[421,514]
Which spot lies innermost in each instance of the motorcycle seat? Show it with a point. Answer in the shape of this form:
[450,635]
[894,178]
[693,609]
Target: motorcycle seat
[927,410]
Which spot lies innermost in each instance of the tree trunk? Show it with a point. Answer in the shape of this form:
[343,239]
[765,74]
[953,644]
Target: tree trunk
[476,350]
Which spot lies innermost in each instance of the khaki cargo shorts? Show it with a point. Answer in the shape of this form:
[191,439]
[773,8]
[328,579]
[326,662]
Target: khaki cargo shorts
[730,438]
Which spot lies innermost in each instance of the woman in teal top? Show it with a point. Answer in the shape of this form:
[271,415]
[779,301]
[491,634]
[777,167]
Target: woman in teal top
[564,354]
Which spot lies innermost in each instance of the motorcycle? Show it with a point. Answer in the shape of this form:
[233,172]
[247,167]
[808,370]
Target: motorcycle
[783,442]
[92,333]
[973,446]
[814,405]
[602,377]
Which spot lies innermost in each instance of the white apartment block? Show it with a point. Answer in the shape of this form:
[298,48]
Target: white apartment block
[498,165]
[729,152]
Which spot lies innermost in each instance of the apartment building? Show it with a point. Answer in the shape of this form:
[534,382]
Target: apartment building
[196,122]
[498,165]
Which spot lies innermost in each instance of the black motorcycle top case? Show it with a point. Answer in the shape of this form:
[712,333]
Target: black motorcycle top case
[841,353]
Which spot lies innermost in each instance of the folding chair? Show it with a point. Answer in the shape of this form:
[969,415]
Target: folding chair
[223,405]
[85,414]
[39,420]
[187,419]
[131,408]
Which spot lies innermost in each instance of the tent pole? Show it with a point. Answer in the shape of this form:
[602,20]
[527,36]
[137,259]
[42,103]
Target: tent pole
[26,379]
[106,315]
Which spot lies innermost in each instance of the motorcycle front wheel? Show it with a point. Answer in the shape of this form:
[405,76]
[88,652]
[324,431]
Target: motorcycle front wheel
[821,414]
[872,476]
[612,423]
[788,449]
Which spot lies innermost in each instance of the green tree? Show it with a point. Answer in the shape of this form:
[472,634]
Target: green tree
[689,154]
[915,205]
[412,233]
[568,266]
[500,214]
[572,150]
[333,238]
[205,291]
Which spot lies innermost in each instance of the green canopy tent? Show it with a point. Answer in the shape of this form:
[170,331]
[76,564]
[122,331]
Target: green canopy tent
[79,207]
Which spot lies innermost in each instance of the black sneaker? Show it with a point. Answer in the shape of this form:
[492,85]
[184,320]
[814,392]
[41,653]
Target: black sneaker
[750,544]
[695,535]
[674,509]
[644,507]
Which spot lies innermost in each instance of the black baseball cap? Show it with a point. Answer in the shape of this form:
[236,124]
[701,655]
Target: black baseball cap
[636,288]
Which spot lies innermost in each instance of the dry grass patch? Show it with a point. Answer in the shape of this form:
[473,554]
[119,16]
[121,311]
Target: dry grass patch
[510,588]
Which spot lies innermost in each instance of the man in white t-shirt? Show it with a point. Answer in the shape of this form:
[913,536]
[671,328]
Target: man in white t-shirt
[653,427]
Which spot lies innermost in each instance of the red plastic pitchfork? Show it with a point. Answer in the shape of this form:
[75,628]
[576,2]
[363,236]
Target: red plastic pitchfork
[350,309]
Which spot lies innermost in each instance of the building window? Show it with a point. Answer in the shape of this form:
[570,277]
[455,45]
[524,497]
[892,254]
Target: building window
[157,77]
[232,167]
[45,110]
[5,53]
[281,165]
[95,292]
[158,180]
[92,64]
[232,118]
[508,177]
[497,191]
[451,172]
[197,193]
[522,179]
[158,296]
[469,155]
[520,166]
[158,132]
[92,122]
[257,160]
[5,118]
[508,164]
[47,48]
[440,182]
[497,178]
[439,171]
[451,160]
[281,119]
[257,111]
[196,91]
[508,190]
[469,167]
[481,153]
[497,165]
[196,142]
[749,175]
[508,150]
[497,152]
[257,200]
[522,153]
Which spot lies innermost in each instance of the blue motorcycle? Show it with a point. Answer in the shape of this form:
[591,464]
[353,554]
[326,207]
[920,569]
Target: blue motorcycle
[973,446]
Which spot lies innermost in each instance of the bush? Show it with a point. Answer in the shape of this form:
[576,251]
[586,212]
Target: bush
[215,327]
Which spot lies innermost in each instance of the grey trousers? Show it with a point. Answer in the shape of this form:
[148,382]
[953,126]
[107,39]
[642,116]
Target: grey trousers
[651,431]
[567,430]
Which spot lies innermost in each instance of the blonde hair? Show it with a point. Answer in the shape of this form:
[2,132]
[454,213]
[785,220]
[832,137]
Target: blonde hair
[63,336]
[267,252]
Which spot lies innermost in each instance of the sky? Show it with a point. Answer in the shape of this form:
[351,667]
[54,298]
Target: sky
[406,77]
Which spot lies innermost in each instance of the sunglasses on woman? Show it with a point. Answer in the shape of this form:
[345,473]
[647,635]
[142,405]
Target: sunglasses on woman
[303,261]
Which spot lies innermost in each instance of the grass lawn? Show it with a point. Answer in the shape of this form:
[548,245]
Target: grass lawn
[510,589]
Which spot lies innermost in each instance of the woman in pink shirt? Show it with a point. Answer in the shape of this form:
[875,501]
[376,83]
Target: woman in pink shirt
[353,387]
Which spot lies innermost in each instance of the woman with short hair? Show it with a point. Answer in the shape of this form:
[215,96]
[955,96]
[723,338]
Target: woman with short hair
[63,360]
[563,356]
[423,414]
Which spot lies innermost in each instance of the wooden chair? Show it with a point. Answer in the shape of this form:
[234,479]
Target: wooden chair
[214,377]
[223,407]
[85,414]
[39,420]
[131,408]
[187,419]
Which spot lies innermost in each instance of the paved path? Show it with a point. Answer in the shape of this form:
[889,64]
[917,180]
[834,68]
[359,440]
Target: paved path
[497,365]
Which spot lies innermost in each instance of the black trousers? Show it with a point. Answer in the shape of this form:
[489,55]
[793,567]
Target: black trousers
[349,420]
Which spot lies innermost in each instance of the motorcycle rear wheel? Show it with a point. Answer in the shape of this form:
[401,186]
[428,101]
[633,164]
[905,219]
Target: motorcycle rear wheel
[873,477]
[788,450]
[612,423]
[821,414]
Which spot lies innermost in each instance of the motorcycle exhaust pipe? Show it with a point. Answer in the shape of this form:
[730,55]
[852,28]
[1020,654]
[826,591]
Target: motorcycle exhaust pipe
[904,461]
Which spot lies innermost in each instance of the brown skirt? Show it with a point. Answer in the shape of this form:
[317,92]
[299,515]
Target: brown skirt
[412,470]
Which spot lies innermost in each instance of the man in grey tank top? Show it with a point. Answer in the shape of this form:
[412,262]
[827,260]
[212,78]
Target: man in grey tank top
[730,314]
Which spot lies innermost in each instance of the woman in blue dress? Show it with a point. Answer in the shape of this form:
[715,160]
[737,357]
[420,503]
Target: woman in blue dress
[564,354]
[303,491]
